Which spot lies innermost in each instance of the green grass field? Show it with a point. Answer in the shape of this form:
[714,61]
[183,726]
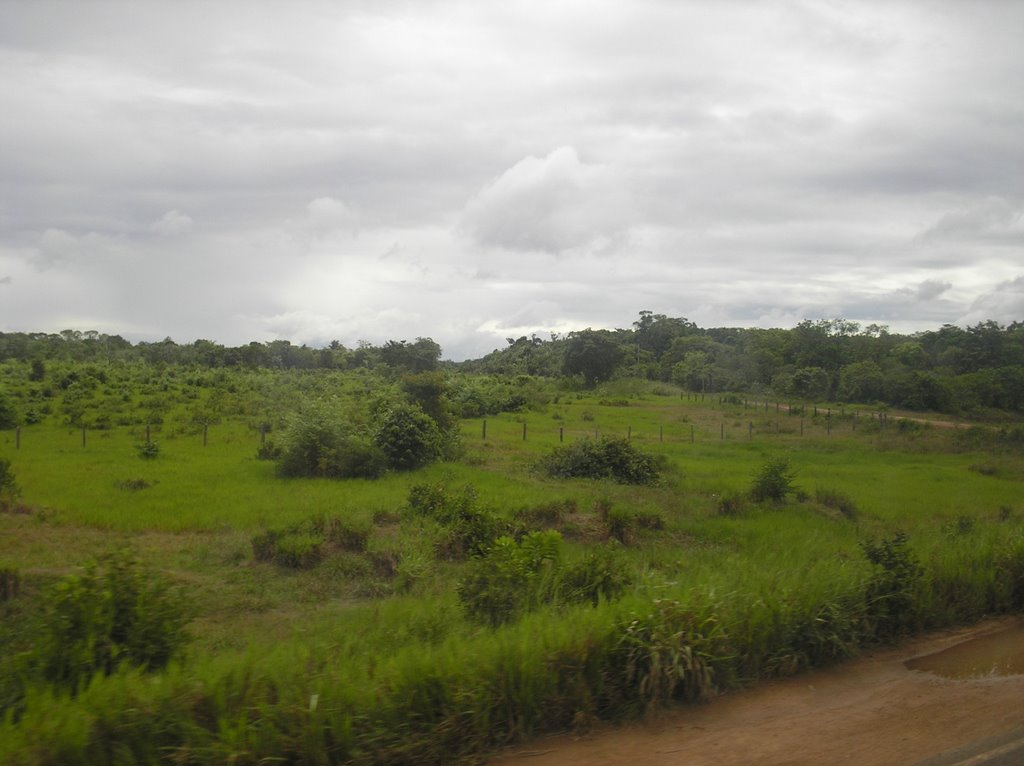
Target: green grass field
[368,656]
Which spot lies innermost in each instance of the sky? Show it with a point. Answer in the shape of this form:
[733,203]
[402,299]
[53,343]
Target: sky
[470,170]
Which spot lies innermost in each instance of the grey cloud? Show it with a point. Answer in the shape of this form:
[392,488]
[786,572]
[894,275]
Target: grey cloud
[730,162]
[931,289]
[552,204]
[172,224]
[6,280]
[993,219]
[1004,303]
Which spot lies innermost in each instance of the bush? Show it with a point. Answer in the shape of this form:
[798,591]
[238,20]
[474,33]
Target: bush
[670,654]
[605,458]
[889,593]
[304,545]
[9,489]
[295,548]
[408,437]
[837,501]
[116,612]
[621,525]
[599,575]
[511,579]
[320,442]
[148,450]
[774,482]
[731,504]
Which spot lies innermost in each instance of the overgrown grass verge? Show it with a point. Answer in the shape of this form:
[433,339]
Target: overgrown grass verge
[477,689]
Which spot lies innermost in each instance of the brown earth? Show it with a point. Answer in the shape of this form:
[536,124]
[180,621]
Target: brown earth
[872,711]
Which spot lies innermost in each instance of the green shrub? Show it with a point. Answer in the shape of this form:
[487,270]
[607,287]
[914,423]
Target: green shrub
[295,547]
[670,654]
[889,592]
[345,535]
[319,441]
[148,450]
[298,550]
[408,437]
[304,545]
[621,525]
[963,525]
[606,458]
[511,578]
[9,490]
[731,504]
[774,482]
[268,451]
[837,501]
[116,612]
[599,575]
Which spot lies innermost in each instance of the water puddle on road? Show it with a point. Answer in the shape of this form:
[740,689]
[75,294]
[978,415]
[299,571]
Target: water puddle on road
[997,654]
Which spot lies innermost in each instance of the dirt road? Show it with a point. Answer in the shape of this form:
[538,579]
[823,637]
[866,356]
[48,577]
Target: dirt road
[872,711]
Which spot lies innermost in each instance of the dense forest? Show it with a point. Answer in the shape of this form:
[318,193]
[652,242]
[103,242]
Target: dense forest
[953,370]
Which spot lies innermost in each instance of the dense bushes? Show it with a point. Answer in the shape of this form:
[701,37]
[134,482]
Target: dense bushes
[605,458]
[513,577]
[304,545]
[321,441]
[408,437]
[117,612]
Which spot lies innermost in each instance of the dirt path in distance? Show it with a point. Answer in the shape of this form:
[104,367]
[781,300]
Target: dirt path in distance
[872,711]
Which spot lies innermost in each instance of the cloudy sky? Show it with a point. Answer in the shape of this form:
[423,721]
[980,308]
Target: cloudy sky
[473,170]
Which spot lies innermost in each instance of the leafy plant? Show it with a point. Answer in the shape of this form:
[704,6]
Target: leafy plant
[320,441]
[599,575]
[408,437]
[116,612]
[670,653]
[605,458]
[836,500]
[511,578]
[889,593]
[774,482]
[148,450]
[9,489]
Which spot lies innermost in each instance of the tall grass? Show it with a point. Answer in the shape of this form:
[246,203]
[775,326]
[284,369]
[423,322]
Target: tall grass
[313,666]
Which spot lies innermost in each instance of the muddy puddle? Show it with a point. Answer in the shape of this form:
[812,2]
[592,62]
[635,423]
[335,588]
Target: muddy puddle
[995,654]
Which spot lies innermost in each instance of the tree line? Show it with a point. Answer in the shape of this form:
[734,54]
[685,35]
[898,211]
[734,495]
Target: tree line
[951,369]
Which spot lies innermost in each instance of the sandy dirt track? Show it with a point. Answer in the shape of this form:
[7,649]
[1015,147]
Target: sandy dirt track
[871,711]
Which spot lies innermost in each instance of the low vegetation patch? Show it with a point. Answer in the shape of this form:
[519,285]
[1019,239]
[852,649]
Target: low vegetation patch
[774,482]
[605,458]
[304,545]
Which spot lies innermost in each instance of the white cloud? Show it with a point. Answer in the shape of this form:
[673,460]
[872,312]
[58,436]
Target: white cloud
[1004,303]
[326,214]
[172,224]
[553,204]
[472,171]
[992,218]
[55,246]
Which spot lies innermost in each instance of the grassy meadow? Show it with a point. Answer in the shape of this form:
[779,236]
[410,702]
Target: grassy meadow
[369,655]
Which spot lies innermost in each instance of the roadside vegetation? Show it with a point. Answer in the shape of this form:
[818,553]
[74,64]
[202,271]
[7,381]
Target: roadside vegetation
[279,554]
